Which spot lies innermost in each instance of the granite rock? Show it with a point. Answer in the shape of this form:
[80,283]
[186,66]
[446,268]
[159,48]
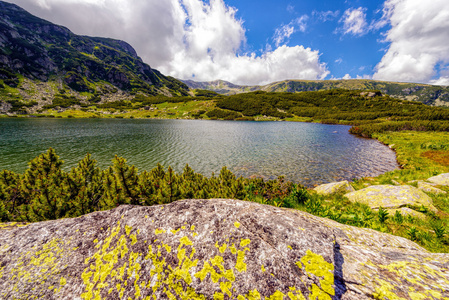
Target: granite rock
[392,197]
[213,249]
[334,188]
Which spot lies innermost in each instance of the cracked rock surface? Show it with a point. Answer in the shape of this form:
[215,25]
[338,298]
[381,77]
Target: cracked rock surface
[212,249]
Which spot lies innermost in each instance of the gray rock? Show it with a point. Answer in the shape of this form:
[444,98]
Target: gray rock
[5,107]
[429,188]
[213,249]
[334,188]
[442,179]
[389,196]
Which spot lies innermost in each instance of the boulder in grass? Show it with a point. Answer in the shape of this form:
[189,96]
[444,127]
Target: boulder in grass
[442,179]
[334,188]
[213,249]
[392,197]
[430,188]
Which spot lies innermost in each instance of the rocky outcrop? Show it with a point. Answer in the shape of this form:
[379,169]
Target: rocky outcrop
[334,188]
[213,249]
[5,107]
[442,179]
[392,197]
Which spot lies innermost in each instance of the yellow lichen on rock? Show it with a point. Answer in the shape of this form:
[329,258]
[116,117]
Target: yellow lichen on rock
[315,264]
[418,276]
[41,266]
[334,188]
[269,256]
[389,196]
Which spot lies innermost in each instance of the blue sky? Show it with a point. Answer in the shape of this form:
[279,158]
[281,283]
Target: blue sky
[259,42]
[353,54]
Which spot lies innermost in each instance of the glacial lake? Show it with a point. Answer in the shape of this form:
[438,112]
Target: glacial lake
[305,153]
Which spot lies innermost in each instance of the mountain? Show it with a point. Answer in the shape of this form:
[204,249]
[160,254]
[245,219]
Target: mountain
[427,94]
[37,55]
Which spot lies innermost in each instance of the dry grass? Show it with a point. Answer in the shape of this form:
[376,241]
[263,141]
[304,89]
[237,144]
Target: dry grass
[441,157]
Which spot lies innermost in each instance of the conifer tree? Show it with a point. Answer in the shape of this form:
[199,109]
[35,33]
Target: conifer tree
[10,196]
[44,187]
[85,185]
[121,184]
[170,186]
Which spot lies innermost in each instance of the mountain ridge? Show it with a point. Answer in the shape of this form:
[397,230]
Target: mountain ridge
[425,93]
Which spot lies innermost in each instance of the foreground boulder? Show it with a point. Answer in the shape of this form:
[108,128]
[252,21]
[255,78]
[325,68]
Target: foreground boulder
[213,249]
[392,197]
[334,188]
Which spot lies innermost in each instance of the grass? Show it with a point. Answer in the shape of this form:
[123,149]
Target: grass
[182,110]
[417,163]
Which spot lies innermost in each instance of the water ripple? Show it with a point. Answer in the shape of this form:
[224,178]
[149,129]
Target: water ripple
[305,153]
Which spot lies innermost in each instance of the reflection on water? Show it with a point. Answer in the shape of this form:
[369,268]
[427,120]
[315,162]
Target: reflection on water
[302,152]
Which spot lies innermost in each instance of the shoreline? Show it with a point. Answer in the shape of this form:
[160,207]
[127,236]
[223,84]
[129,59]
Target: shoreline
[308,184]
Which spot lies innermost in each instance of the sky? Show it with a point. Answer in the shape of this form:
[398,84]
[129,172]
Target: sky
[258,42]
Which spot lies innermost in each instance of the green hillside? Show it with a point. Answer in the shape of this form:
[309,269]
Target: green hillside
[424,93]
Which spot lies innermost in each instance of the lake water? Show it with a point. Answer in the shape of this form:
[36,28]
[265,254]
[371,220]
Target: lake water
[303,152]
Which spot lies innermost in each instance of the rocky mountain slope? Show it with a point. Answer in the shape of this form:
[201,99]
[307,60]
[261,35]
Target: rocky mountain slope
[427,94]
[38,59]
[213,249]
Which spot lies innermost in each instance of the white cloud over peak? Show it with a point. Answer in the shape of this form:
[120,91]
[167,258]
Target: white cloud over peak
[354,21]
[187,39]
[418,42]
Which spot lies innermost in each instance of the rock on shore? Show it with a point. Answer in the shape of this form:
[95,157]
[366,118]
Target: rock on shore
[213,249]
[392,197]
[334,188]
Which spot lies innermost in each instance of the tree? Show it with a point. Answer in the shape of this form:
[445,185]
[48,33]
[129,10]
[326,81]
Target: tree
[85,186]
[44,185]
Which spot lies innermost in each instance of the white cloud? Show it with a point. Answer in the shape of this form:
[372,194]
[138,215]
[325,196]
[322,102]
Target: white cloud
[418,42]
[443,80]
[346,77]
[354,21]
[187,39]
[339,60]
[325,16]
[280,64]
[283,33]
[365,76]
